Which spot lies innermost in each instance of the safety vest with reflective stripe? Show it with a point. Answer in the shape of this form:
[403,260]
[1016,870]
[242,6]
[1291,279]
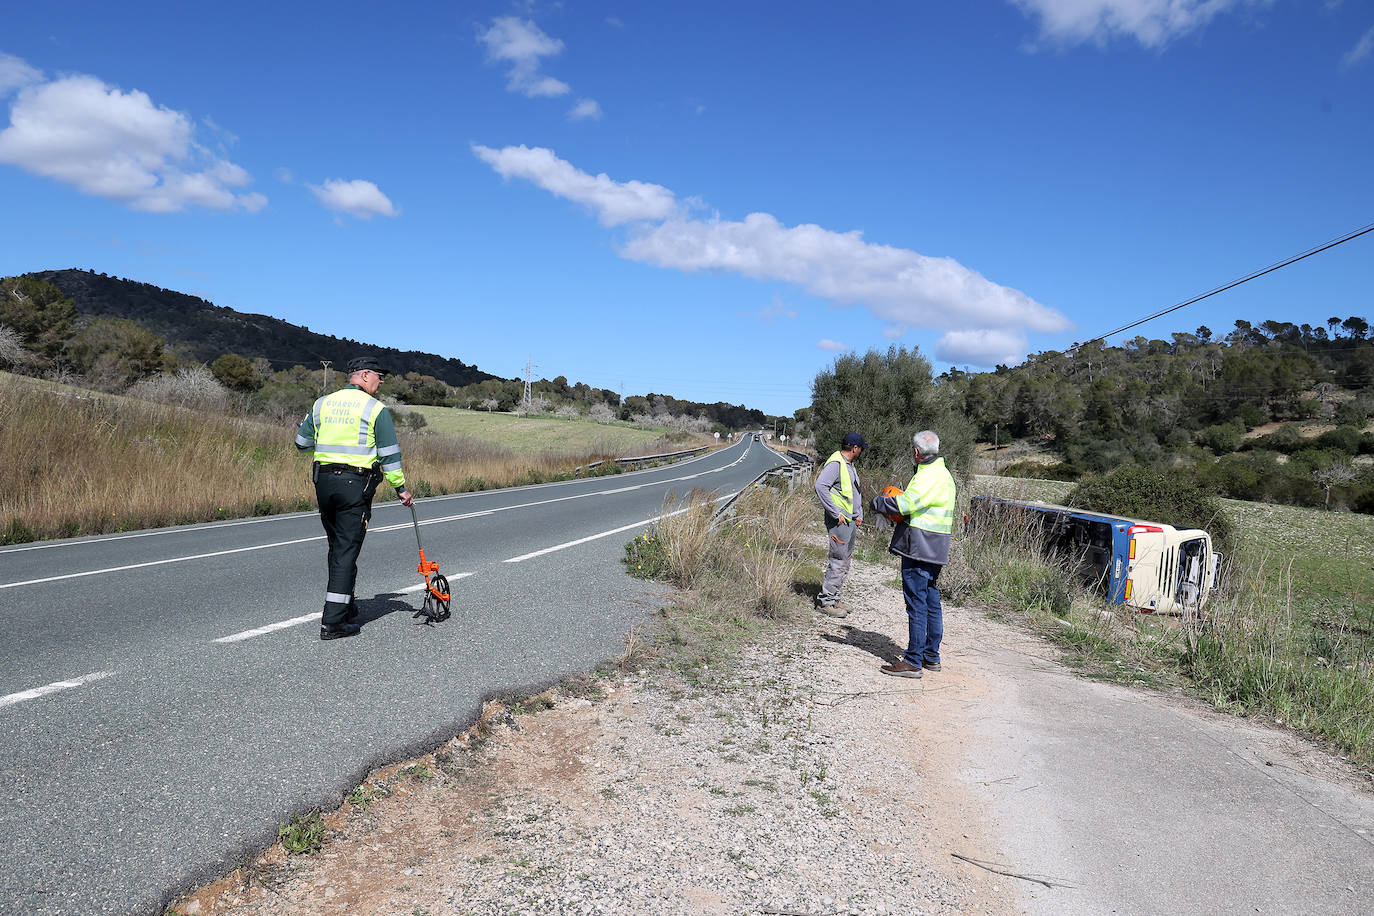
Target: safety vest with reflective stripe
[844,499]
[928,501]
[344,428]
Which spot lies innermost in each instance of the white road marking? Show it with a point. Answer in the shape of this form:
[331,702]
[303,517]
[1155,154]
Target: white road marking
[315,615]
[603,534]
[321,537]
[48,545]
[270,628]
[421,587]
[199,556]
[54,687]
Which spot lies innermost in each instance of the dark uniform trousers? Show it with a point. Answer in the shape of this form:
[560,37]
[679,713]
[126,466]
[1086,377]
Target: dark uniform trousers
[345,498]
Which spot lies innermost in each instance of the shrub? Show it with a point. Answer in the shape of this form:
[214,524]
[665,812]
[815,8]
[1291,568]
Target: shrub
[1222,438]
[1171,499]
[1342,438]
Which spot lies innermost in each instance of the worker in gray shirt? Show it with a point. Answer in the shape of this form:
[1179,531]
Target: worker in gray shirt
[837,487]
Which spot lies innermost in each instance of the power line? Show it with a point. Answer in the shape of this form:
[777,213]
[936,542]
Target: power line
[1341,240]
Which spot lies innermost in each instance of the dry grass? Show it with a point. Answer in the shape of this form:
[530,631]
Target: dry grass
[77,463]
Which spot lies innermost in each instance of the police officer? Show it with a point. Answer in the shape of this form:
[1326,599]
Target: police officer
[355,445]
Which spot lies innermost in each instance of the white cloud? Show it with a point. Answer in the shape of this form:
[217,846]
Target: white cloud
[903,288]
[15,73]
[521,44]
[117,145]
[1153,23]
[615,202]
[983,347]
[1360,52]
[584,109]
[833,346]
[359,198]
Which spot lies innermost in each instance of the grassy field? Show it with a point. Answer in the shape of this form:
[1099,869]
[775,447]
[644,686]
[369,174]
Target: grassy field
[1289,635]
[76,462]
[540,435]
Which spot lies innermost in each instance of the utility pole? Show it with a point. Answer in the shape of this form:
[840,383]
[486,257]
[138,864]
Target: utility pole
[326,363]
[995,432]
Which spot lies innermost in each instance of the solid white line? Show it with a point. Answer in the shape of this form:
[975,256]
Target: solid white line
[54,687]
[199,556]
[271,627]
[604,534]
[100,539]
[320,537]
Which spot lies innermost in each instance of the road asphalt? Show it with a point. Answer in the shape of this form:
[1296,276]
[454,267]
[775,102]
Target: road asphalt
[165,701]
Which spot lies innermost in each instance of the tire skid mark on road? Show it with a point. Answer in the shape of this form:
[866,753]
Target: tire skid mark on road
[54,687]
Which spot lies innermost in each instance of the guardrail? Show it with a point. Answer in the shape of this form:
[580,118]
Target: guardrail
[630,462]
[798,471]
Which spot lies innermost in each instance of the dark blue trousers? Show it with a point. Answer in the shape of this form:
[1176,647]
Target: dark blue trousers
[925,618]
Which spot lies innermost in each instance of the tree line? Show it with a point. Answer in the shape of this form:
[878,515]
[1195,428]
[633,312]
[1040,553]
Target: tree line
[43,333]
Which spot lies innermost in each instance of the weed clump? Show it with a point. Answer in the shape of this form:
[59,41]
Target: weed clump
[303,834]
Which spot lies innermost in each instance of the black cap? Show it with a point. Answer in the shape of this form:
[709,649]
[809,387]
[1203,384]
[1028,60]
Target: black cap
[852,439]
[359,363]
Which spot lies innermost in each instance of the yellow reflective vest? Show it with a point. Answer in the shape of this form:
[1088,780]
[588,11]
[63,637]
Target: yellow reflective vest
[844,499]
[343,428]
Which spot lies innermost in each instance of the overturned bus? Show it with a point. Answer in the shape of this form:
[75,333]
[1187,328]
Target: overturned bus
[1154,568]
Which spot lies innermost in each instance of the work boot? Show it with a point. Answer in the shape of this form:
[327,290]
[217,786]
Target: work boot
[339,630]
[832,610]
[900,668]
[352,614]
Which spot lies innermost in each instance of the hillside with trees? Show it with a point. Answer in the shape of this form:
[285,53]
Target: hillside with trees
[119,335]
[1271,411]
[200,331]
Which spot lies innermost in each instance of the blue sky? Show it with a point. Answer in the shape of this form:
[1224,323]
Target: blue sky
[706,199]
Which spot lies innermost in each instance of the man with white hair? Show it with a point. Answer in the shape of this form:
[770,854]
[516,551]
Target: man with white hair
[921,539]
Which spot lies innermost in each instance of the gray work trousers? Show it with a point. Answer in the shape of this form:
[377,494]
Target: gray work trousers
[841,546]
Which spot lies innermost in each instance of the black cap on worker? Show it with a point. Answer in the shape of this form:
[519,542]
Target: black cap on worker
[359,363]
[852,439]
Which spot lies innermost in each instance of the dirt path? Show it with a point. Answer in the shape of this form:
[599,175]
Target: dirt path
[802,780]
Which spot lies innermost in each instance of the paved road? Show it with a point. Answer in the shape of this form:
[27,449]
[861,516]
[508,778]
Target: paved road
[141,749]
[1138,803]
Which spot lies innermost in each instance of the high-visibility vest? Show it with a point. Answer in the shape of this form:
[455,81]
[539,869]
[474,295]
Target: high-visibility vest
[344,432]
[930,495]
[845,498]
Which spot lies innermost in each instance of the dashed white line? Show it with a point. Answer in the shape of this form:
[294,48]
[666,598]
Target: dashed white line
[54,687]
[314,615]
[320,537]
[603,534]
[421,587]
[271,627]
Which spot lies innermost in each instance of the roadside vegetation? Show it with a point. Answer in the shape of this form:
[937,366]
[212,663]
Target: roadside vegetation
[743,576]
[1289,636]
[78,462]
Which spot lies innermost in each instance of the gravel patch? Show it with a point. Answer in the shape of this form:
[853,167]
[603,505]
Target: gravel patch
[795,780]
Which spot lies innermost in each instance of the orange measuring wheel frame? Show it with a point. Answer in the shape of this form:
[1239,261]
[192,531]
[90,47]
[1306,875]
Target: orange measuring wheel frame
[437,597]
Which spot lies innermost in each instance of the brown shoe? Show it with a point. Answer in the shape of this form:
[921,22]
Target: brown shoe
[832,610]
[900,668]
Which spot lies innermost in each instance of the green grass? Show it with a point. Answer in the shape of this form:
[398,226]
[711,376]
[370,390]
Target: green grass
[539,435]
[1289,636]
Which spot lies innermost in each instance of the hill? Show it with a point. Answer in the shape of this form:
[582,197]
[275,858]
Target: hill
[203,331]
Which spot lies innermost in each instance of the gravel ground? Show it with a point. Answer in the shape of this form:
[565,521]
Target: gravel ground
[796,779]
